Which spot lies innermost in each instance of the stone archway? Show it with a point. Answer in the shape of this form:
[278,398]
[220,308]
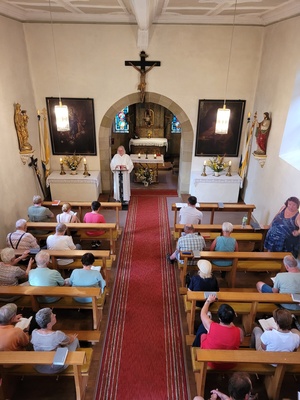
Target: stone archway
[187,138]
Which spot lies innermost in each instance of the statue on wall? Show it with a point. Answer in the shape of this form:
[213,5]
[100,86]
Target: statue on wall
[262,134]
[21,121]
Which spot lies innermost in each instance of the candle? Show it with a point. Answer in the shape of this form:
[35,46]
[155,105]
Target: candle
[204,162]
[229,163]
[84,161]
[60,160]
[154,155]
[249,115]
[139,155]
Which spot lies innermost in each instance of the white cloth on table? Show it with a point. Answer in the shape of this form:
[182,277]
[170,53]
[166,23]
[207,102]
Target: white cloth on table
[115,162]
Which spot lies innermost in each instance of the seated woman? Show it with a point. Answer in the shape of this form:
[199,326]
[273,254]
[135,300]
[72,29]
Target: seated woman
[280,339]
[67,214]
[11,273]
[88,276]
[204,281]
[223,335]
[45,339]
[224,243]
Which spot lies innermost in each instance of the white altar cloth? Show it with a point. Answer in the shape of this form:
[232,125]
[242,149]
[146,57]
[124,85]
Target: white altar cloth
[150,160]
[74,187]
[215,189]
[160,142]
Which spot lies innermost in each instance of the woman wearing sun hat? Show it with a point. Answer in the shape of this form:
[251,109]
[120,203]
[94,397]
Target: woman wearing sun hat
[203,281]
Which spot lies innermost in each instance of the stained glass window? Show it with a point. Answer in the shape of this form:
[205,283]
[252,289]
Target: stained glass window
[121,123]
[175,125]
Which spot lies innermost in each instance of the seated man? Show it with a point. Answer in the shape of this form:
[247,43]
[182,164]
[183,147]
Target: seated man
[11,338]
[60,241]
[44,276]
[37,212]
[280,339]
[20,239]
[190,214]
[94,217]
[190,241]
[284,282]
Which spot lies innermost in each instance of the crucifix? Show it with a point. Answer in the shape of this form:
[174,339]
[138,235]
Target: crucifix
[143,71]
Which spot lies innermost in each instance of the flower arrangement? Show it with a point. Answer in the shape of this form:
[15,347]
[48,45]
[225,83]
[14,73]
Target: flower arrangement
[145,175]
[217,164]
[72,162]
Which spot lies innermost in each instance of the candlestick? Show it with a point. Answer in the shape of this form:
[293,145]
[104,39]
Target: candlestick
[229,169]
[204,169]
[86,172]
[62,171]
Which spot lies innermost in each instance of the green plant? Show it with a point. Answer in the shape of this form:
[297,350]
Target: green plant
[217,164]
[145,175]
[72,162]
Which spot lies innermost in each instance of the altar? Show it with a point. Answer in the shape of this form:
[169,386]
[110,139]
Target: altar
[149,145]
[146,167]
[74,187]
[215,189]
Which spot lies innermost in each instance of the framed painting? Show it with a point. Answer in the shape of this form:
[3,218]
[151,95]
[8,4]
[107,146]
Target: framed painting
[209,143]
[81,138]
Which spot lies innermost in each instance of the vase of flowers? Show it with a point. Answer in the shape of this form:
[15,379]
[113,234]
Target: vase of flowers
[217,164]
[145,175]
[72,162]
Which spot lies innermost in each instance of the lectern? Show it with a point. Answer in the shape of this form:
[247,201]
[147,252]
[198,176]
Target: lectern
[120,169]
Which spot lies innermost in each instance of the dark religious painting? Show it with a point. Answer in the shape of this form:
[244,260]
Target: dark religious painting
[81,138]
[208,142]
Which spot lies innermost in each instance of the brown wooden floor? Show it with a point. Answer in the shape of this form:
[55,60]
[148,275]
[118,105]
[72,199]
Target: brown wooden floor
[48,388]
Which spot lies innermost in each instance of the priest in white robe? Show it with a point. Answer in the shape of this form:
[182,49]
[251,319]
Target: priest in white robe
[121,161]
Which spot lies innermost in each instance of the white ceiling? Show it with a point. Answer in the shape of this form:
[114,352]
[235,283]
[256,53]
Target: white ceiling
[144,13]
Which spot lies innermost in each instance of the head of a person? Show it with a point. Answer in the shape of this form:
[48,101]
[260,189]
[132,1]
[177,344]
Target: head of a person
[44,316]
[88,259]
[226,314]
[266,115]
[121,150]
[283,318]
[7,255]
[205,268]
[42,259]
[290,262]
[188,229]
[227,227]
[21,224]
[61,228]
[292,203]
[66,207]
[7,312]
[37,199]
[95,205]
[192,200]
[239,386]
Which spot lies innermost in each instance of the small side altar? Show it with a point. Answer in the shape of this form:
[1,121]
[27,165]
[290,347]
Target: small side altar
[211,189]
[74,187]
[146,167]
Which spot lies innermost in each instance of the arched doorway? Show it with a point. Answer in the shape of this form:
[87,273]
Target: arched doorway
[187,138]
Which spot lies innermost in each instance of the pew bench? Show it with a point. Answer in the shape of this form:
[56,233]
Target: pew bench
[248,304]
[214,207]
[29,294]
[81,206]
[241,261]
[111,232]
[250,361]
[21,363]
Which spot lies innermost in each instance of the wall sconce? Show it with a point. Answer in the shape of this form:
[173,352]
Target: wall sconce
[61,112]
[223,114]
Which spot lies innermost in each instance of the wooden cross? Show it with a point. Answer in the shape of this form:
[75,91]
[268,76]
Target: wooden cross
[143,71]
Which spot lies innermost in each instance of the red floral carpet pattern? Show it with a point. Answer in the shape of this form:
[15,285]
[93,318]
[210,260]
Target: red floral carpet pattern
[143,350]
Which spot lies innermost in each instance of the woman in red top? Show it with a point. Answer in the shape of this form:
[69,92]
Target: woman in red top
[223,335]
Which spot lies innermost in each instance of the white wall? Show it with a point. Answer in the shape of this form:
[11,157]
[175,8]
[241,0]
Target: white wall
[270,186]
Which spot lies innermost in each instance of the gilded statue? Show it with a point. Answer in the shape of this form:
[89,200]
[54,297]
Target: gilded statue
[21,121]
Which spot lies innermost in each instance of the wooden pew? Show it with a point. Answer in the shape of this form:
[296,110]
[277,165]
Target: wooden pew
[29,296]
[80,206]
[22,363]
[241,261]
[247,238]
[246,303]
[250,361]
[111,233]
[214,207]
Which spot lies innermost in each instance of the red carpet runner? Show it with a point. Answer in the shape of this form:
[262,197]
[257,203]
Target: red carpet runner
[143,350]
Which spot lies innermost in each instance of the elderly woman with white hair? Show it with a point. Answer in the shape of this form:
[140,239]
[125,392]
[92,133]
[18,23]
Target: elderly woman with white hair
[11,338]
[224,243]
[203,281]
[9,272]
[46,339]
